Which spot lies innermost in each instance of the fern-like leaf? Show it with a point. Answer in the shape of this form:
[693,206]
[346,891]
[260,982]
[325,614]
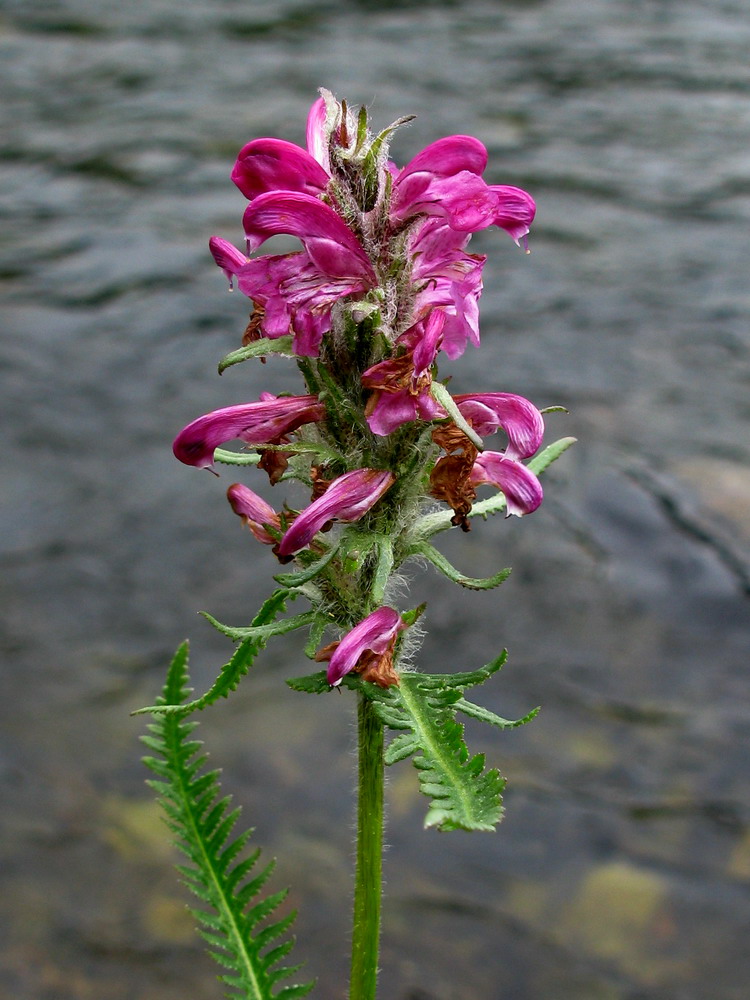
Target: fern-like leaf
[421,709]
[235,921]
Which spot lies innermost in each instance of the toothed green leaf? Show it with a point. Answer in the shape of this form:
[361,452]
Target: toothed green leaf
[421,709]
[232,672]
[237,922]
[439,561]
[258,349]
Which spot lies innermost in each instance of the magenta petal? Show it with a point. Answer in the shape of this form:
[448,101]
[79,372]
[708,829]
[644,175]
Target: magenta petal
[448,156]
[391,411]
[317,136]
[254,511]
[376,633]
[228,257]
[523,491]
[515,210]
[311,221]
[263,422]
[275,165]
[346,499]
[520,419]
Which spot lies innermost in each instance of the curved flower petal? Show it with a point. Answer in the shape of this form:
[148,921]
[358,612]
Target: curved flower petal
[227,256]
[276,165]
[523,491]
[346,499]
[262,422]
[375,634]
[254,511]
[328,240]
[519,418]
[514,211]
[317,134]
[447,156]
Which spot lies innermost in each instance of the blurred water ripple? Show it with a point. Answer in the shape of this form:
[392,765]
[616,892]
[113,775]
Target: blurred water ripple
[622,870]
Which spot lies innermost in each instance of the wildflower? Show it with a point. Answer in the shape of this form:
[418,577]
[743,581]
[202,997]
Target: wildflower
[367,648]
[347,499]
[297,291]
[254,511]
[267,421]
[401,385]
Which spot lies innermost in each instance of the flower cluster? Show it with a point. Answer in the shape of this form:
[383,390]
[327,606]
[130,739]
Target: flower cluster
[382,285]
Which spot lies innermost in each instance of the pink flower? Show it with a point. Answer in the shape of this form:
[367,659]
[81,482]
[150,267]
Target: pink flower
[445,180]
[254,511]
[522,489]
[297,291]
[520,419]
[368,649]
[347,499]
[264,422]
[401,385]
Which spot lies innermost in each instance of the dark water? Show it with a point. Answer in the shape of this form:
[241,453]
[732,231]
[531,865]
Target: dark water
[622,871]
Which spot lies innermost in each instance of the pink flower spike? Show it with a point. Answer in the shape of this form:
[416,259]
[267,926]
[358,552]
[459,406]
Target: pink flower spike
[254,511]
[520,419]
[523,491]
[347,499]
[228,257]
[275,165]
[264,422]
[376,635]
[514,211]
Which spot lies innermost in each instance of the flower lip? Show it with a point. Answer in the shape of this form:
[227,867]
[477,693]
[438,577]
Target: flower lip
[347,499]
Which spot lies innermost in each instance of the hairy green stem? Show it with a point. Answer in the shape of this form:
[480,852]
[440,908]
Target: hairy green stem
[368,879]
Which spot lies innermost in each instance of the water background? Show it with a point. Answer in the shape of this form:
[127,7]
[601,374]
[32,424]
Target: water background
[622,870]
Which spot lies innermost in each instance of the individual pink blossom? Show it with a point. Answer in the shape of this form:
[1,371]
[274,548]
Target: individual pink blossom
[401,384]
[522,490]
[347,499]
[264,422]
[367,648]
[297,291]
[520,419]
[445,180]
[254,511]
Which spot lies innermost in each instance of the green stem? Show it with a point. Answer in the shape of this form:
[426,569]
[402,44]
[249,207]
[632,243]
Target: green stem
[368,883]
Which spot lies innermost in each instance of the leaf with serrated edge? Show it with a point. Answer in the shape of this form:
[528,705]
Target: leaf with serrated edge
[201,822]
[258,349]
[232,672]
[439,561]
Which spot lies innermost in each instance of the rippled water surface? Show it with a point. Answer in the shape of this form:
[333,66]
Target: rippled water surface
[622,870]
